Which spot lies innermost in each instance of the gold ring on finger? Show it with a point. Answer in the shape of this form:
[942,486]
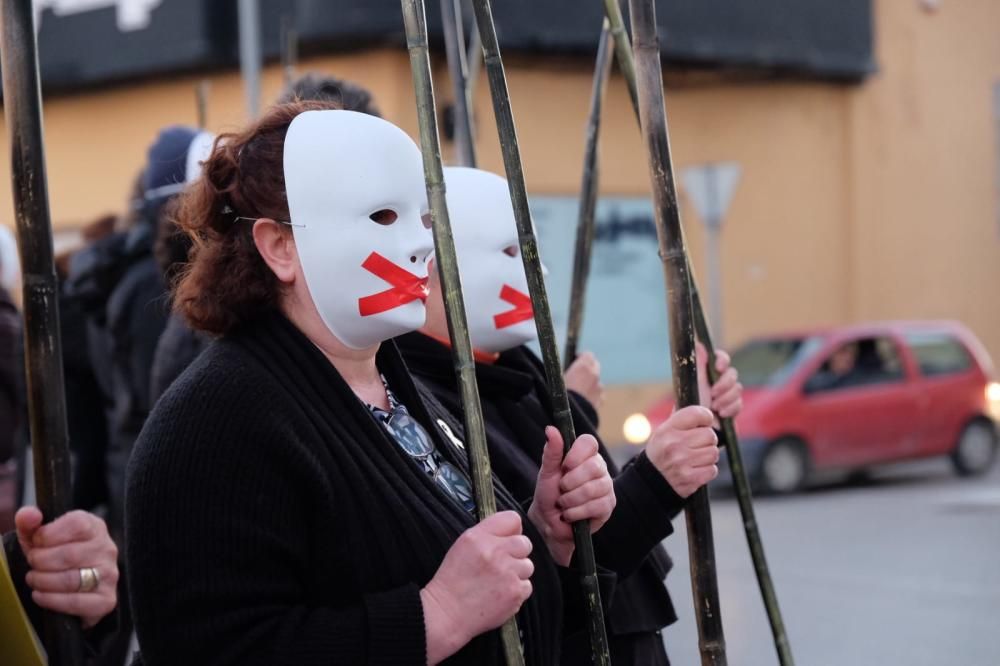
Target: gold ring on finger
[90,579]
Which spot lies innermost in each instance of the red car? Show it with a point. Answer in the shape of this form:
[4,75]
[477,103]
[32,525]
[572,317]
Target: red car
[845,399]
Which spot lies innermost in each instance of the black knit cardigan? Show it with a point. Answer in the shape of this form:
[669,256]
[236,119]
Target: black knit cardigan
[517,409]
[270,520]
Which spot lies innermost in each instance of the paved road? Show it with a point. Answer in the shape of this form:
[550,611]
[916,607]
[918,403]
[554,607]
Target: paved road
[904,569]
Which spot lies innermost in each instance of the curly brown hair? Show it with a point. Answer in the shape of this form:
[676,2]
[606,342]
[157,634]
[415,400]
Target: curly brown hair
[226,281]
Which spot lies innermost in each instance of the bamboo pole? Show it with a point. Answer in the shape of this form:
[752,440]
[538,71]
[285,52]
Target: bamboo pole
[43,345]
[201,102]
[289,51]
[729,439]
[588,198]
[543,316]
[454,40]
[415,20]
[649,79]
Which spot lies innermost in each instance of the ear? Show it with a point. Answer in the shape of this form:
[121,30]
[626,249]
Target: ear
[277,246]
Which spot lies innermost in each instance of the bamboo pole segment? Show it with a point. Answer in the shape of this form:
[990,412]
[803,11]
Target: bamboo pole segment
[289,51]
[588,198]
[729,439]
[43,345]
[649,79]
[454,41]
[623,47]
[201,102]
[415,20]
[543,315]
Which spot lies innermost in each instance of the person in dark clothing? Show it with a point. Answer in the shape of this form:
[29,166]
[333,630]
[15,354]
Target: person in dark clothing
[73,570]
[86,420]
[179,345]
[12,389]
[295,497]
[517,408]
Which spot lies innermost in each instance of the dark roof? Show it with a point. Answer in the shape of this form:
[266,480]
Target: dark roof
[813,38]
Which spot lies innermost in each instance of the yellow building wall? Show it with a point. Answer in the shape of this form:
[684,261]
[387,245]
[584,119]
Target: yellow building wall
[867,201]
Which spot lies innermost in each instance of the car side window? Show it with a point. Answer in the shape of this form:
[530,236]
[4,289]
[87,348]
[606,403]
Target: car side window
[939,354]
[861,362]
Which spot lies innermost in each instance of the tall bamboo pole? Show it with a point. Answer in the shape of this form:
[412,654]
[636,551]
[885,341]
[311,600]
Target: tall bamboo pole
[289,51]
[201,102]
[454,41]
[543,316]
[649,79]
[588,198]
[729,441]
[43,346]
[415,20]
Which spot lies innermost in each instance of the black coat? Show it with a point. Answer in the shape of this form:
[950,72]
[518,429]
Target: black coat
[516,409]
[271,520]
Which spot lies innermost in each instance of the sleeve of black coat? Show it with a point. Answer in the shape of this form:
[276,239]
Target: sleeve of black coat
[216,518]
[641,519]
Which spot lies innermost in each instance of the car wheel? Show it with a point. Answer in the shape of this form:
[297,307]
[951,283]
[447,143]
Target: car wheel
[784,467]
[976,450]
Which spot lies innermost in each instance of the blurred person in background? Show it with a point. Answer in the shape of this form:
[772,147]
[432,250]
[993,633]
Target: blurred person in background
[12,388]
[652,489]
[317,87]
[86,418]
[178,345]
[13,399]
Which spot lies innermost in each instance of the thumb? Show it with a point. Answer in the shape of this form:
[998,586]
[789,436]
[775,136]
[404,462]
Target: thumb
[552,455]
[27,520]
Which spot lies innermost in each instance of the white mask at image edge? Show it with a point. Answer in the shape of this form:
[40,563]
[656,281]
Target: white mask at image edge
[357,201]
[489,260]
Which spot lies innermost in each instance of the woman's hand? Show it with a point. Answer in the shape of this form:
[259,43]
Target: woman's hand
[484,579]
[61,555]
[685,450]
[584,377]
[568,490]
[724,397]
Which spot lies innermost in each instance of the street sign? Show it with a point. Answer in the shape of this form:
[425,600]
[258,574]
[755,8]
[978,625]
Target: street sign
[711,188]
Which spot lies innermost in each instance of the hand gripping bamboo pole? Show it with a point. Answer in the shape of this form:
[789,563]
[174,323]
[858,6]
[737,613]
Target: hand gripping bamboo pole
[649,79]
[543,316]
[43,346]
[588,199]
[729,441]
[447,264]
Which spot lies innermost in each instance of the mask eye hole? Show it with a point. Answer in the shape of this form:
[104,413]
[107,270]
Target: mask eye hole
[511,250]
[385,217]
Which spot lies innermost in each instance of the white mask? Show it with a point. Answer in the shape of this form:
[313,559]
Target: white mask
[342,168]
[489,259]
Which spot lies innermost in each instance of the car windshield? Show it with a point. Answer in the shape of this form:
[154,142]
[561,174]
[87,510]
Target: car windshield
[770,362]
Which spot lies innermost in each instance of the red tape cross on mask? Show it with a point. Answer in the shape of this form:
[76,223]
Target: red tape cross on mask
[522,308]
[406,287]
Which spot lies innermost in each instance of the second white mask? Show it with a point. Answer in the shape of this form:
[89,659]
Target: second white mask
[489,260]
